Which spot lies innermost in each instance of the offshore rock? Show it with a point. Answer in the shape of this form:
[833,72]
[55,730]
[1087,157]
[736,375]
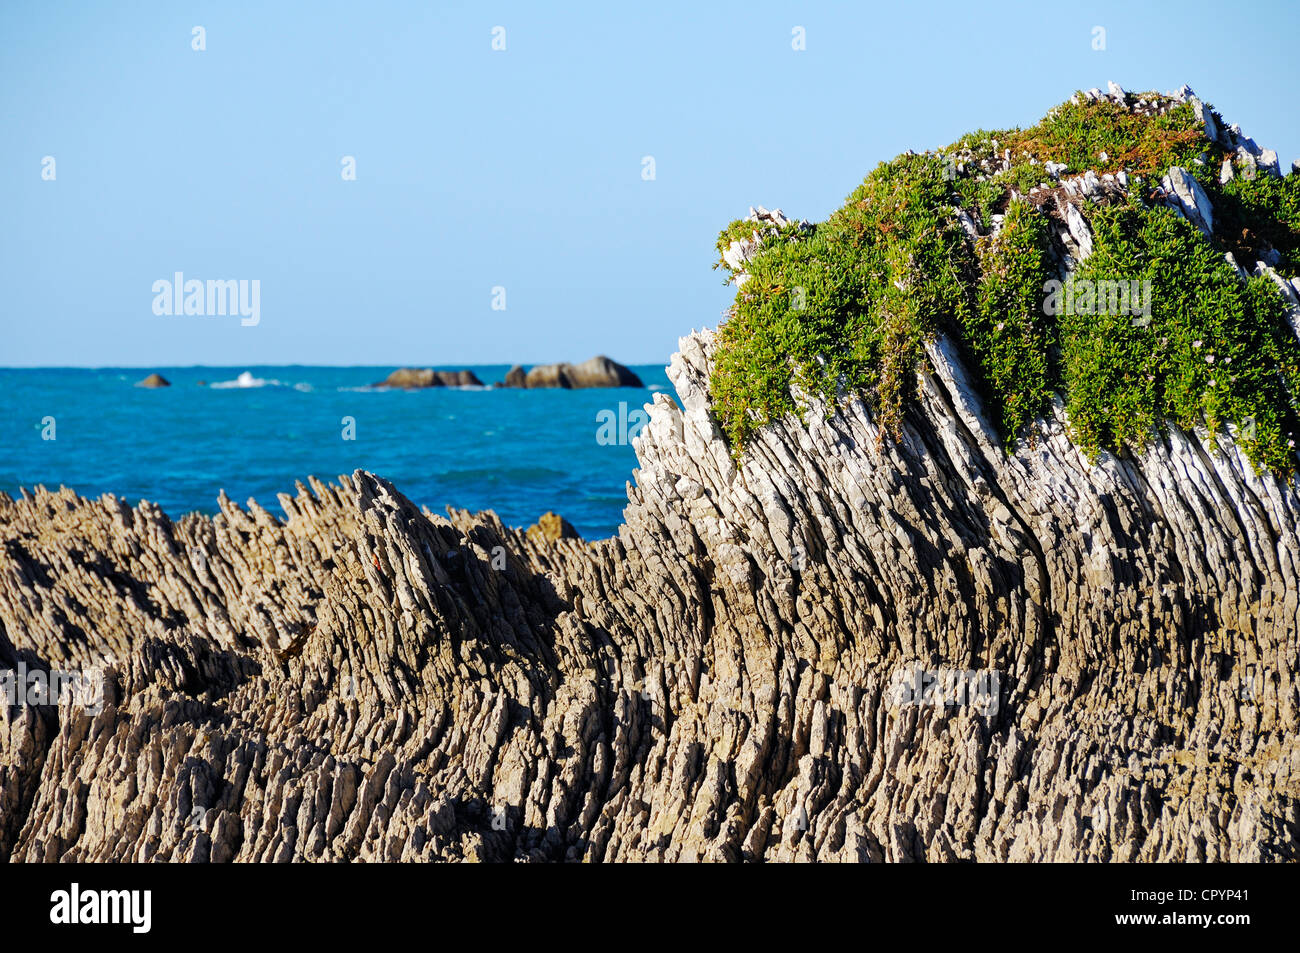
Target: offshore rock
[598,371]
[410,378]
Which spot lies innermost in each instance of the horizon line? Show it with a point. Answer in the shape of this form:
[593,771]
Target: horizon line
[142,367]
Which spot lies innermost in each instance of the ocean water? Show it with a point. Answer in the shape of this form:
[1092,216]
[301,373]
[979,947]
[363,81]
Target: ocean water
[254,431]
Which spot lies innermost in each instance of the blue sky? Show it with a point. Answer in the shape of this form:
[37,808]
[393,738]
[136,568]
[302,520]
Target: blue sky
[521,168]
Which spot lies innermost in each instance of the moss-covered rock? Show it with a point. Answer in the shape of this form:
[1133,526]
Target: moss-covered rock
[1057,262]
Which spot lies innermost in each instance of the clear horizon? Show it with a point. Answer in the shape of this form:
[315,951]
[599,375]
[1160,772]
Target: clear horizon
[339,366]
[480,169]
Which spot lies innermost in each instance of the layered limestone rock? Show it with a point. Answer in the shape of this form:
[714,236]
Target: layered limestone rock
[743,672]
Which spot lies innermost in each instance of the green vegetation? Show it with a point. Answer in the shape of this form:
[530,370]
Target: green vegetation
[1250,213]
[1012,340]
[1215,349]
[886,271]
[1024,176]
[846,307]
[1080,131]
[737,230]
[980,197]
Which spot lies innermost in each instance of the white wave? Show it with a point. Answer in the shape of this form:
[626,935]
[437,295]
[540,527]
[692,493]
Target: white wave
[247,380]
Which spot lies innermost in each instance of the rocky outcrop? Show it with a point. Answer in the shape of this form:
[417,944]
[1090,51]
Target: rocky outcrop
[548,375]
[411,378]
[842,647]
[766,223]
[1187,195]
[598,371]
[552,526]
[154,380]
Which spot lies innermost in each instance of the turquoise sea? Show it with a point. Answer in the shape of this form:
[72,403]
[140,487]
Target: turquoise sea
[254,431]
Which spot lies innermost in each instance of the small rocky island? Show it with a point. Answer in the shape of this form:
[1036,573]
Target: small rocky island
[412,378]
[154,380]
[598,371]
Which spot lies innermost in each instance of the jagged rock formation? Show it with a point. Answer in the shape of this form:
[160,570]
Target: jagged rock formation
[154,380]
[747,671]
[720,681]
[411,378]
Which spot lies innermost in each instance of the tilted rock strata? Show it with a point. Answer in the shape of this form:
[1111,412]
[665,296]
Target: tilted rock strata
[368,681]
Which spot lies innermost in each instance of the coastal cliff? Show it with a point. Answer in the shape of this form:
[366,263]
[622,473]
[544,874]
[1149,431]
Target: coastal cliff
[857,629]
